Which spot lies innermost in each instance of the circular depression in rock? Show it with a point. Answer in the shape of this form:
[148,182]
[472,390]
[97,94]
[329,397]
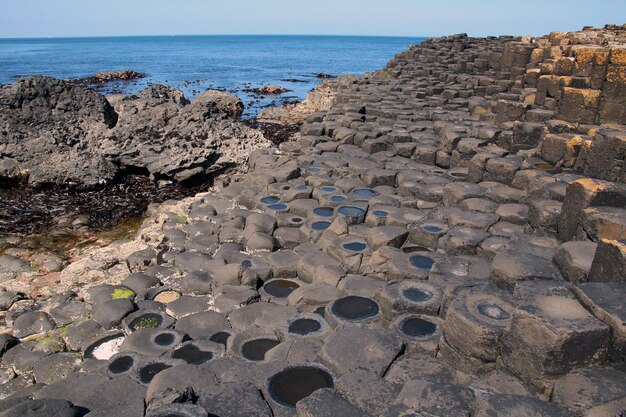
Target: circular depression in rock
[418,327]
[278,207]
[313,169]
[328,189]
[355,246]
[413,249]
[492,310]
[146,321]
[255,350]
[121,364]
[324,211]
[338,198]
[149,371]
[192,354]
[544,166]
[105,347]
[381,213]
[320,226]
[364,192]
[293,384]
[271,199]
[355,308]
[304,326]
[351,211]
[432,228]
[417,295]
[422,262]
[164,339]
[166,296]
[220,337]
[280,288]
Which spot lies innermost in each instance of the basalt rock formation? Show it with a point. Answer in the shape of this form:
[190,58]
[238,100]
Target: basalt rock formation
[447,239]
[58,133]
[108,76]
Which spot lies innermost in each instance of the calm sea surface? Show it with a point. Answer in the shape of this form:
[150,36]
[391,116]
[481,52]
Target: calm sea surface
[195,63]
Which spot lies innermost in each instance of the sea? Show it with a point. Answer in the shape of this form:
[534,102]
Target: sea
[193,64]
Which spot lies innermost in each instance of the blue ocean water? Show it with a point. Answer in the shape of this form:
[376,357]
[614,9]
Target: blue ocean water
[195,63]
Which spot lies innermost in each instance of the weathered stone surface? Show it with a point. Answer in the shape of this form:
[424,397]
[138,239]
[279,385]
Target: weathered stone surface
[496,405]
[352,348]
[583,389]
[551,336]
[84,145]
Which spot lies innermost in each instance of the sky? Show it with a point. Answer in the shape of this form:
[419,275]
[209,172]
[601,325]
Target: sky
[70,18]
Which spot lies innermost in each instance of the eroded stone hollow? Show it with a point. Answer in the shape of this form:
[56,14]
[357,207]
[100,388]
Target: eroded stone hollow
[364,192]
[418,327]
[355,308]
[492,311]
[324,211]
[304,326]
[164,339]
[255,350]
[414,249]
[320,226]
[422,262]
[355,246]
[149,371]
[105,347]
[280,288]
[269,200]
[432,228]
[121,364]
[146,321]
[293,384]
[351,211]
[417,295]
[278,207]
[220,337]
[192,354]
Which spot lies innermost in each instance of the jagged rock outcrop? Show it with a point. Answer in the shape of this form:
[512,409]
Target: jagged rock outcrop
[413,253]
[56,132]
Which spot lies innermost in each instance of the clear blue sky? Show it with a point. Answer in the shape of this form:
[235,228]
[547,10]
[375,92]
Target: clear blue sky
[42,18]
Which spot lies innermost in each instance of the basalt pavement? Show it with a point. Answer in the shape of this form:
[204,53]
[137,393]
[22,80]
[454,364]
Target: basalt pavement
[447,240]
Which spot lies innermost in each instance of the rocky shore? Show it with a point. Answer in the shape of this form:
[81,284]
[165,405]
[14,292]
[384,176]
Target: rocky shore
[447,238]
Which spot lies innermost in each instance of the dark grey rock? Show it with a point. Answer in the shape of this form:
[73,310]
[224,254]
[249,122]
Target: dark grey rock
[110,313]
[327,403]
[33,322]
[352,348]
[43,408]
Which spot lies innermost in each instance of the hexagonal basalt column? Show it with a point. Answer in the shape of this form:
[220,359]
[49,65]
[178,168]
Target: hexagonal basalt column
[353,311]
[286,388]
[474,323]
[409,296]
[420,333]
[351,349]
[415,265]
[427,234]
[551,336]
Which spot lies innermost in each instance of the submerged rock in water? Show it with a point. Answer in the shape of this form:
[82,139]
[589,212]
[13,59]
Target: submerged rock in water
[269,89]
[60,133]
[108,76]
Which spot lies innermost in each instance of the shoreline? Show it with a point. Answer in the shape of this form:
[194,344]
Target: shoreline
[445,236]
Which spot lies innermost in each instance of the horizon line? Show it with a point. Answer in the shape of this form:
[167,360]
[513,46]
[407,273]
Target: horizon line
[214,34]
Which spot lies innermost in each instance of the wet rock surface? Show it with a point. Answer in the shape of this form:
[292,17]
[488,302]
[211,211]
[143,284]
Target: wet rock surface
[108,76]
[439,242]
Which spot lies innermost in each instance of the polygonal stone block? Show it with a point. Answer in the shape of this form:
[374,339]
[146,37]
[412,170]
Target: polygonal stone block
[551,336]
